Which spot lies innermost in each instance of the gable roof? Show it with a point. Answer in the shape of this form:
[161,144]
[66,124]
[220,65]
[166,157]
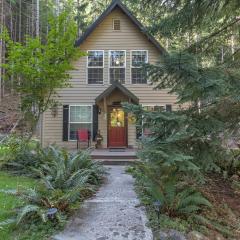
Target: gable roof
[111,7]
[119,86]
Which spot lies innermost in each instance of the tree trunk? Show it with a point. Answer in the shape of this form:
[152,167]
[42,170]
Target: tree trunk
[233,45]
[1,50]
[20,22]
[37,18]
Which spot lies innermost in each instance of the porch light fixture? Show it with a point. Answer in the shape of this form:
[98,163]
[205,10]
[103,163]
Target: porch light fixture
[54,110]
[99,110]
[117,61]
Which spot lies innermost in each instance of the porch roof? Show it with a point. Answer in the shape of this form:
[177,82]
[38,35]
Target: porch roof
[124,90]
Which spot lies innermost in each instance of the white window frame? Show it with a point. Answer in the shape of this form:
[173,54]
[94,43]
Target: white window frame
[69,123]
[95,67]
[118,19]
[109,64]
[131,66]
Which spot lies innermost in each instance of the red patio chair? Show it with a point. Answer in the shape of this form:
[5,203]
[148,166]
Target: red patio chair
[83,135]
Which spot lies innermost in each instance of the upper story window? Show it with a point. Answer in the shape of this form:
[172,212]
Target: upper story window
[138,58]
[117,65]
[116,24]
[95,66]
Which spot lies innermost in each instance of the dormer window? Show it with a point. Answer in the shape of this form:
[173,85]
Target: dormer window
[116,24]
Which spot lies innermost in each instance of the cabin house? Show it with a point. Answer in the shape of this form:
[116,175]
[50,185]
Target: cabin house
[116,45]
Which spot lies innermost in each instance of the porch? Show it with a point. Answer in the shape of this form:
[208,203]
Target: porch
[111,122]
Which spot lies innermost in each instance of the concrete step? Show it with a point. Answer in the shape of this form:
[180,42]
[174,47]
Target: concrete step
[117,157]
[117,161]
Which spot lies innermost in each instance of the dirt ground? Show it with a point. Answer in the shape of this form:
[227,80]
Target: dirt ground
[9,113]
[226,207]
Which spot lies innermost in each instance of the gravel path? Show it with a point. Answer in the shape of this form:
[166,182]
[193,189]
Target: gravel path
[112,214]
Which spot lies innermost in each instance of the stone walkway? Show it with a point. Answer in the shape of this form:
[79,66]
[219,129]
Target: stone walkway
[113,214]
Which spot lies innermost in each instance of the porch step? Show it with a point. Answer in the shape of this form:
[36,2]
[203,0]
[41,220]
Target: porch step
[117,161]
[115,157]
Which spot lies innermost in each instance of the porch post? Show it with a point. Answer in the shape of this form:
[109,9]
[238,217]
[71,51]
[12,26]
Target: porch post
[105,107]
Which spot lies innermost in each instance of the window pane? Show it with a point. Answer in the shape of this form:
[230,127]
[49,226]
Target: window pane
[95,75]
[116,24]
[148,108]
[77,126]
[139,58]
[138,76]
[153,108]
[80,114]
[117,74]
[117,118]
[95,58]
[117,58]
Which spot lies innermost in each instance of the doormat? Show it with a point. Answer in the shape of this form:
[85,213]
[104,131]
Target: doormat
[117,149]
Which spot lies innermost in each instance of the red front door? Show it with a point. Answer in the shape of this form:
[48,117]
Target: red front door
[117,128]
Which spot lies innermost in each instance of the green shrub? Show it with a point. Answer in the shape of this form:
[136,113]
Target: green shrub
[64,180]
[177,201]
[4,153]
[231,164]
[177,198]
[68,170]
[22,155]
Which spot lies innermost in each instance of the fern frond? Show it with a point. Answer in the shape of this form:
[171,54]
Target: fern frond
[28,209]
[7,222]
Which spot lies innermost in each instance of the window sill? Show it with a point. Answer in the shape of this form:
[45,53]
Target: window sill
[95,84]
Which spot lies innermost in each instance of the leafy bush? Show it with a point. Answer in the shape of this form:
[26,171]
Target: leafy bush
[22,155]
[178,201]
[64,180]
[231,165]
[4,152]
[177,198]
[63,170]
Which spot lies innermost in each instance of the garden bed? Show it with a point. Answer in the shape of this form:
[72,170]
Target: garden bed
[226,206]
[58,183]
[8,202]
[224,214]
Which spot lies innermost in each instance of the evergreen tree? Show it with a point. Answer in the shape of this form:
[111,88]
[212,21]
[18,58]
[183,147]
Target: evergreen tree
[202,68]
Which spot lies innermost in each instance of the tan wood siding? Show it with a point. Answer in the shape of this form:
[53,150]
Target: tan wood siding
[104,38]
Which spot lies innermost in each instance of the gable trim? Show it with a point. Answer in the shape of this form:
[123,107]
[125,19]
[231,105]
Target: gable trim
[111,7]
[119,86]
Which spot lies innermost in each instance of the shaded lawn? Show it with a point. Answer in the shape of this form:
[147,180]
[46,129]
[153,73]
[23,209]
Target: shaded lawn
[7,202]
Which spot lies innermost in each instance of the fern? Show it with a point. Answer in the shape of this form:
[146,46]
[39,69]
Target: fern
[7,222]
[176,201]
[26,211]
[66,178]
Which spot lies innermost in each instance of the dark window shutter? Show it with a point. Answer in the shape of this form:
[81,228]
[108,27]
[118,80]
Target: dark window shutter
[169,108]
[95,121]
[65,122]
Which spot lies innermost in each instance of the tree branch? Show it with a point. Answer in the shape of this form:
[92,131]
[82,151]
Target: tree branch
[214,34]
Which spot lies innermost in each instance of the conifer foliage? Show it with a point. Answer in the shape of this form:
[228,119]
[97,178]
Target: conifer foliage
[189,142]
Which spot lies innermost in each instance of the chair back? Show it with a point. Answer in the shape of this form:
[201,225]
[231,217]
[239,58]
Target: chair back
[83,135]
